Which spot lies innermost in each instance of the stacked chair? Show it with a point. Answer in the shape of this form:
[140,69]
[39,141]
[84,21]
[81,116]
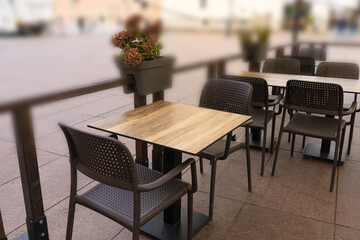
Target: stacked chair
[322,99]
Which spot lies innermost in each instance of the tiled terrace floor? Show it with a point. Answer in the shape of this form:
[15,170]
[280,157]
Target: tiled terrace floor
[295,204]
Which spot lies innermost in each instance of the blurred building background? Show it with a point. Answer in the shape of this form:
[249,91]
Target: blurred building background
[93,16]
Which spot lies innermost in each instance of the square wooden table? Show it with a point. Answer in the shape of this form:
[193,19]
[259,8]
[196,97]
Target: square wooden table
[323,151]
[177,128]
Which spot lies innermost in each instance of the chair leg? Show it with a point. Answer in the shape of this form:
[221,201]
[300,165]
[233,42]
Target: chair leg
[71,215]
[352,123]
[136,233]
[263,152]
[247,142]
[292,144]
[272,134]
[276,153]
[212,187]
[341,145]
[333,174]
[201,165]
[303,142]
[190,216]
[289,137]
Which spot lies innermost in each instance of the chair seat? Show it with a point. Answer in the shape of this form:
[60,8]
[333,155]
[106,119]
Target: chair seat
[273,98]
[314,126]
[120,202]
[217,149]
[258,116]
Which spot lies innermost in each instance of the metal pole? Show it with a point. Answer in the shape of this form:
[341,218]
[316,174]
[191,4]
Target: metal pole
[296,27]
[141,147]
[29,172]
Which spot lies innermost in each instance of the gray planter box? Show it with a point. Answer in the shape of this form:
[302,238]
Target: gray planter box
[255,52]
[150,76]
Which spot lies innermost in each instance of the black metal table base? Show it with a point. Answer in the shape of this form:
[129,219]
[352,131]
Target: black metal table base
[158,229]
[258,143]
[314,150]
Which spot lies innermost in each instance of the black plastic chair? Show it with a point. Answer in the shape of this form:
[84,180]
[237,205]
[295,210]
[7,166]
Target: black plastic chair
[342,70]
[316,53]
[282,65]
[228,96]
[128,193]
[307,64]
[321,99]
[260,109]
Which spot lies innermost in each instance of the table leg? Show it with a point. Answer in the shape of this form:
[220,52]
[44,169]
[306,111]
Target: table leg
[172,223]
[157,158]
[172,159]
[323,151]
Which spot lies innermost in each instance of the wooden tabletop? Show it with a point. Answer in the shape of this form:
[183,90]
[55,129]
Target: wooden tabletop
[280,80]
[182,127]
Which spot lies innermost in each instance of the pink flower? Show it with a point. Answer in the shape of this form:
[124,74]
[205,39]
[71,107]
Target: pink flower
[150,42]
[132,57]
[119,39]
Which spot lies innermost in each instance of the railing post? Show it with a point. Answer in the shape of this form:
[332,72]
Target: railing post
[2,230]
[295,49]
[158,151]
[279,52]
[254,66]
[211,71]
[140,146]
[221,68]
[29,172]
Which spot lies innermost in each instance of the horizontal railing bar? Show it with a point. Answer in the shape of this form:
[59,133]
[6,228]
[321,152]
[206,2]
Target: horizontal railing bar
[67,93]
[218,60]
[333,43]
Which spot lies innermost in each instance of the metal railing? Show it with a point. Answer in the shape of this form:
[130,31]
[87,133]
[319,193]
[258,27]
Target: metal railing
[25,141]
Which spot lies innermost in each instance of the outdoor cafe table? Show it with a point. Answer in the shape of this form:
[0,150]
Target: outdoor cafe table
[178,128]
[323,151]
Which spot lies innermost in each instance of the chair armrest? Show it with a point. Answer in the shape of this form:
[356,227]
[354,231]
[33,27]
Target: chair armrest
[277,101]
[227,147]
[247,123]
[351,110]
[170,175]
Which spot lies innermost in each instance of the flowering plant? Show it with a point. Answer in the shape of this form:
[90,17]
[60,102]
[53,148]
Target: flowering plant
[138,44]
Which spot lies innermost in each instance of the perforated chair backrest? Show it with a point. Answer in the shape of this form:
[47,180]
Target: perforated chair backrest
[101,158]
[260,95]
[227,96]
[307,64]
[282,65]
[338,70]
[316,53]
[314,97]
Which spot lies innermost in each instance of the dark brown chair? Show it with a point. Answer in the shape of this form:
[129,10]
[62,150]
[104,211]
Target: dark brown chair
[316,53]
[228,96]
[282,65]
[260,109]
[307,64]
[342,70]
[128,193]
[321,99]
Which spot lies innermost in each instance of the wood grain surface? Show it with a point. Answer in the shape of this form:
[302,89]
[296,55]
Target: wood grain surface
[182,127]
